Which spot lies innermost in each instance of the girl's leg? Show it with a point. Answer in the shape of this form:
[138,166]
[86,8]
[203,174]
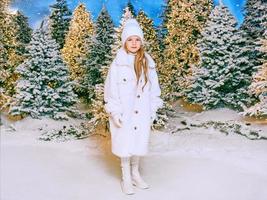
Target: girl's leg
[126,183]
[136,178]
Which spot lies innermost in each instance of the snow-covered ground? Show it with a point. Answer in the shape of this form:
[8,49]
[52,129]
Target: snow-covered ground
[195,164]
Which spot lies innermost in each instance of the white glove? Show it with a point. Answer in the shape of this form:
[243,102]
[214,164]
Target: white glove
[117,119]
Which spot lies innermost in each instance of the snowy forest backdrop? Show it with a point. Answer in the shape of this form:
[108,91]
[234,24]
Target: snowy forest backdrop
[203,58]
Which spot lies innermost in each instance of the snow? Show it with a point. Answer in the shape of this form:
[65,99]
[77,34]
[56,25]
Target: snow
[200,163]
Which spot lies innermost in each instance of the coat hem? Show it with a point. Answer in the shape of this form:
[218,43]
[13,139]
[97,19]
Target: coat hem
[129,154]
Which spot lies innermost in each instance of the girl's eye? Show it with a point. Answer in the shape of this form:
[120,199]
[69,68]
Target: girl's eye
[137,39]
[129,39]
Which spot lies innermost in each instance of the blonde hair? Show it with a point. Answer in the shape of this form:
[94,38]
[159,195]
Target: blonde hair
[140,64]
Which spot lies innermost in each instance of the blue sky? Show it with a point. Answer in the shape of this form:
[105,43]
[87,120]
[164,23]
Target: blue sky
[35,10]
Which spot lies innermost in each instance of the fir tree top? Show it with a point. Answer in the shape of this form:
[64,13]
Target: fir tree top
[131,8]
[24,32]
[60,19]
[255,16]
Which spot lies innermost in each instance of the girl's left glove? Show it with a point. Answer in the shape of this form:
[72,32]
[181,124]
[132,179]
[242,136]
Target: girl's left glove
[117,119]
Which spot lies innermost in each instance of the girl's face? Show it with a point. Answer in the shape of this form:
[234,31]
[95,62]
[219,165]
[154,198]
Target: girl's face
[133,44]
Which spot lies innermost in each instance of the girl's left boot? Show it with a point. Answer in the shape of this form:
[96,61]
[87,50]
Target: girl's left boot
[126,183]
[136,177]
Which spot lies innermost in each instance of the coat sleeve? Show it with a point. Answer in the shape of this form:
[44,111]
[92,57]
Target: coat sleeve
[111,92]
[156,101]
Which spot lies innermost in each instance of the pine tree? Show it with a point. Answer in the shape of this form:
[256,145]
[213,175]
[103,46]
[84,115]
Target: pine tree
[3,14]
[77,45]
[3,52]
[150,36]
[60,20]
[253,29]
[100,54]
[118,30]
[10,44]
[23,36]
[259,85]
[44,88]
[247,55]
[131,8]
[3,19]
[11,26]
[255,19]
[219,81]
[23,32]
[185,20]
[3,76]
[162,29]
[99,61]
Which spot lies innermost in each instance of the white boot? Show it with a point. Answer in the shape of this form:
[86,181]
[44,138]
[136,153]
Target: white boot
[136,178]
[126,183]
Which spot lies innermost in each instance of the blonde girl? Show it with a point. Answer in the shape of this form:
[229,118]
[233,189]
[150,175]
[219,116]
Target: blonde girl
[132,97]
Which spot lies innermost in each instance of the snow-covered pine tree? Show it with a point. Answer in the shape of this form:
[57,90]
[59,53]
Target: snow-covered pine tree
[78,44]
[44,88]
[100,54]
[255,18]
[131,8]
[185,20]
[248,57]
[219,81]
[259,85]
[240,76]
[118,30]
[60,20]
[150,36]
[253,29]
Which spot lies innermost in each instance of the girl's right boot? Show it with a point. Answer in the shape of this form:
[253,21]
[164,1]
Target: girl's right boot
[137,180]
[126,183]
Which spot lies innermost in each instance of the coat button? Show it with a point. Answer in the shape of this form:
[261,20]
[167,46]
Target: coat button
[138,96]
[124,79]
[136,111]
[135,127]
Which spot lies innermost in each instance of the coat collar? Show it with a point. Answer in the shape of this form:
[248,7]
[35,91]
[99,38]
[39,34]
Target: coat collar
[122,58]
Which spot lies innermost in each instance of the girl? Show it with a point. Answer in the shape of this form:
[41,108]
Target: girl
[132,97]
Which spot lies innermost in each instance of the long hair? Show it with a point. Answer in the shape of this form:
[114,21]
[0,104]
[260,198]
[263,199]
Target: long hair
[140,64]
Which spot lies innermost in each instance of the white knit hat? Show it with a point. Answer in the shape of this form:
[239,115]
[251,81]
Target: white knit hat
[131,27]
